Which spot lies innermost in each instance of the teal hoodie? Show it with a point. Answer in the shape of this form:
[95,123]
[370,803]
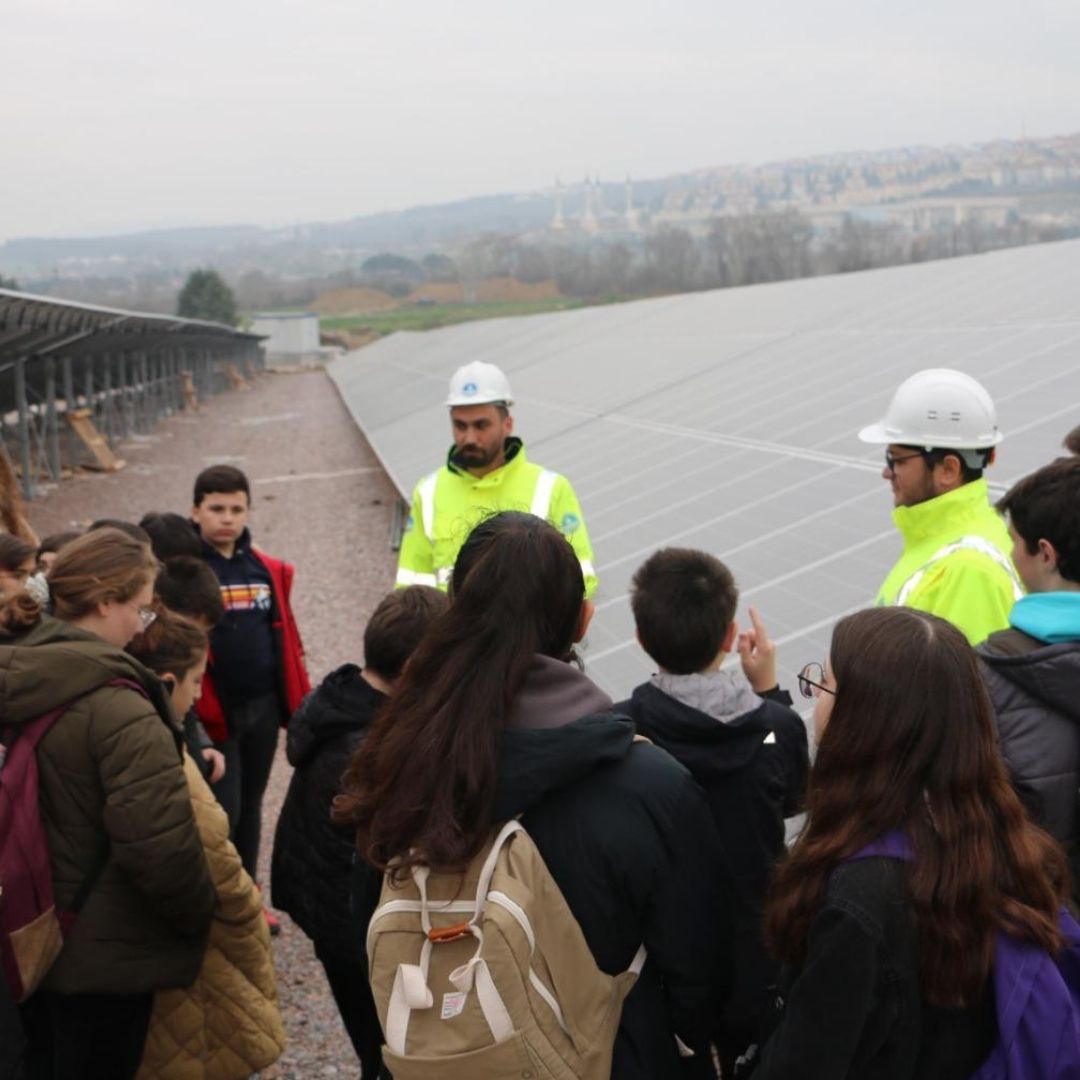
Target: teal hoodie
[1053,617]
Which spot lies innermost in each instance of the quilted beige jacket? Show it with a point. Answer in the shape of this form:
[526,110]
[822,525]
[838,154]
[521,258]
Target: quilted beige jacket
[227,1025]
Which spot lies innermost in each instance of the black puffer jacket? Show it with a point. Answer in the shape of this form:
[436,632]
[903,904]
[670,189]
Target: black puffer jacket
[750,757]
[1035,689]
[627,836]
[312,860]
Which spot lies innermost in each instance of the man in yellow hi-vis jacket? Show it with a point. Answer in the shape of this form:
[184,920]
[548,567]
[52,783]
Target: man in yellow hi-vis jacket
[486,471]
[939,434]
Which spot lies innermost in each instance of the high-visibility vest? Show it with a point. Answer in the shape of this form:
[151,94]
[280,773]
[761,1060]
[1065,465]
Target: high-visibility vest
[956,562]
[448,503]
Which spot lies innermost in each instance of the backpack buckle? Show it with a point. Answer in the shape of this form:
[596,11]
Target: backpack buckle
[439,935]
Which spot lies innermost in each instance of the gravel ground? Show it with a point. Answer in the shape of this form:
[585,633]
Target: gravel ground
[321,501]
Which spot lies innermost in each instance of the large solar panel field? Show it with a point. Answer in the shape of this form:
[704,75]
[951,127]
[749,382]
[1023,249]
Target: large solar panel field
[727,420]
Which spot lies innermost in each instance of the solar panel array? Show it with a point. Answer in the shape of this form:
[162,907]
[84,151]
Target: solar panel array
[727,420]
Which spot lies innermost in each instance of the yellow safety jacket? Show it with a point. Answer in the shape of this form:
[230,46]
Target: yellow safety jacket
[448,504]
[956,562]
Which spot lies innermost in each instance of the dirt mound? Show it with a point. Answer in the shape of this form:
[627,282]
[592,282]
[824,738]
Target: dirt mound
[352,301]
[500,290]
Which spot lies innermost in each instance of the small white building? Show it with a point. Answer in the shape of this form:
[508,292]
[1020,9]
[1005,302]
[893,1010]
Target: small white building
[292,337]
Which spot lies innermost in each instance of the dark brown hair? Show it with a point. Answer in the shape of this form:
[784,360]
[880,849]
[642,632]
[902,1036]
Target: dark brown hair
[129,527]
[171,644]
[14,551]
[911,744]
[220,480]
[683,602]
[105,564]
[1071,442]
[1045,505]
[421,788]
[55,541]
[189,587]
[171,535]
[397,625]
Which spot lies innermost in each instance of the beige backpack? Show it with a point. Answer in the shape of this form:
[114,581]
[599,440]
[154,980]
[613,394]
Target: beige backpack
[485,974]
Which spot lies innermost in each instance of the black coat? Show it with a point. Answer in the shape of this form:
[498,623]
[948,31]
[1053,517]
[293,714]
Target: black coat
[312,861]
[627,836]
[855,1011]
[752,769]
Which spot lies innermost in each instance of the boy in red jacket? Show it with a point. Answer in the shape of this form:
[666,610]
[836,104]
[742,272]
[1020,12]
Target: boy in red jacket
[256,676]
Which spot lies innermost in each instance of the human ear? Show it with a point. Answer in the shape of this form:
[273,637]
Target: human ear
[1049,554]
[588,609]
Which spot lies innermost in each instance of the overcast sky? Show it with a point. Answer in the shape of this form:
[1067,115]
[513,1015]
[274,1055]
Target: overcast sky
[120,115]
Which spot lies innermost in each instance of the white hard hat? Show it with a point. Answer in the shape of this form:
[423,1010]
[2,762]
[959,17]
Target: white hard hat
[935,408]
[479,384]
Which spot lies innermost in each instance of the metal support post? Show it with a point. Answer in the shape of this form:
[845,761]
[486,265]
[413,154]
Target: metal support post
[52,428]
[23,406]
[70,405]
[109,406]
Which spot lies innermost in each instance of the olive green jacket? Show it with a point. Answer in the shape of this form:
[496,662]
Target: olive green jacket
[111,786]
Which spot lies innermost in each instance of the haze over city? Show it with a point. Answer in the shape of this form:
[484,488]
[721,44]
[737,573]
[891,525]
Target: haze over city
[120,116]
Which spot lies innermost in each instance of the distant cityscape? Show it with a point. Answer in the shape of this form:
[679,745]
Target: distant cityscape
[914,187]
[829,213]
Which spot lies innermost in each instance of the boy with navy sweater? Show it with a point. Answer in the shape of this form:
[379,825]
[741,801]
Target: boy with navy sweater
[256,676]
[737,735]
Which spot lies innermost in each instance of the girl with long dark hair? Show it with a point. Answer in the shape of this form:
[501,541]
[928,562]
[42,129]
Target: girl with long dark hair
[888,958]
[491,719]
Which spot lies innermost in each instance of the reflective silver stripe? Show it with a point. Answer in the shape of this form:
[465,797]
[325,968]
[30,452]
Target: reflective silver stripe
[541,500]
[427,505]
[414,577]
[587,568]
[443,575]
[965,543]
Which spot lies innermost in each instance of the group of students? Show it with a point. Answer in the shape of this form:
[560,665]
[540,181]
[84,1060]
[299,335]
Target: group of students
[941,807]
[151,668]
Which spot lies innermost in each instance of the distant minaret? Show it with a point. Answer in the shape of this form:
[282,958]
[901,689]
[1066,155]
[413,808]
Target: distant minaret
[558,221]
[630,215]
[588,215]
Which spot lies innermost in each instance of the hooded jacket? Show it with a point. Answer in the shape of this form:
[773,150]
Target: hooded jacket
[312,860]
[111,783]
[294,682]
[626,834]
[1035,690]
[750,757]
[226,1025]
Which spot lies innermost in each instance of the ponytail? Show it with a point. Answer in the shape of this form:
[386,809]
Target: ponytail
[422,787]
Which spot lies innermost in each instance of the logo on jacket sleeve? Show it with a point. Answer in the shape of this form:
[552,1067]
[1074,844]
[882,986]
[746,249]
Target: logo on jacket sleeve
[570,523]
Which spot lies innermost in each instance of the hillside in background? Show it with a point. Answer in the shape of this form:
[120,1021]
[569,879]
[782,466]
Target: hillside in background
[592,239]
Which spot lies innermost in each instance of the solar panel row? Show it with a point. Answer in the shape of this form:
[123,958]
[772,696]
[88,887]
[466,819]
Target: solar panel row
[727,420]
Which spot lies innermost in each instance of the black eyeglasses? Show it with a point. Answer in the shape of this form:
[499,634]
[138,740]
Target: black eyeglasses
[812,681]
[891,462]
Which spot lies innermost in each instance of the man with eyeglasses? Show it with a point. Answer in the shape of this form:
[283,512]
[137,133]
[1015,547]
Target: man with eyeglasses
[940,432]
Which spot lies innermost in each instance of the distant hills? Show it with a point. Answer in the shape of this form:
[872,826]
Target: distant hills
[1028,178]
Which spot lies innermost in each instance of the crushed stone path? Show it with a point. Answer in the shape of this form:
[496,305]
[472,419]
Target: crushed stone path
[320,500]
